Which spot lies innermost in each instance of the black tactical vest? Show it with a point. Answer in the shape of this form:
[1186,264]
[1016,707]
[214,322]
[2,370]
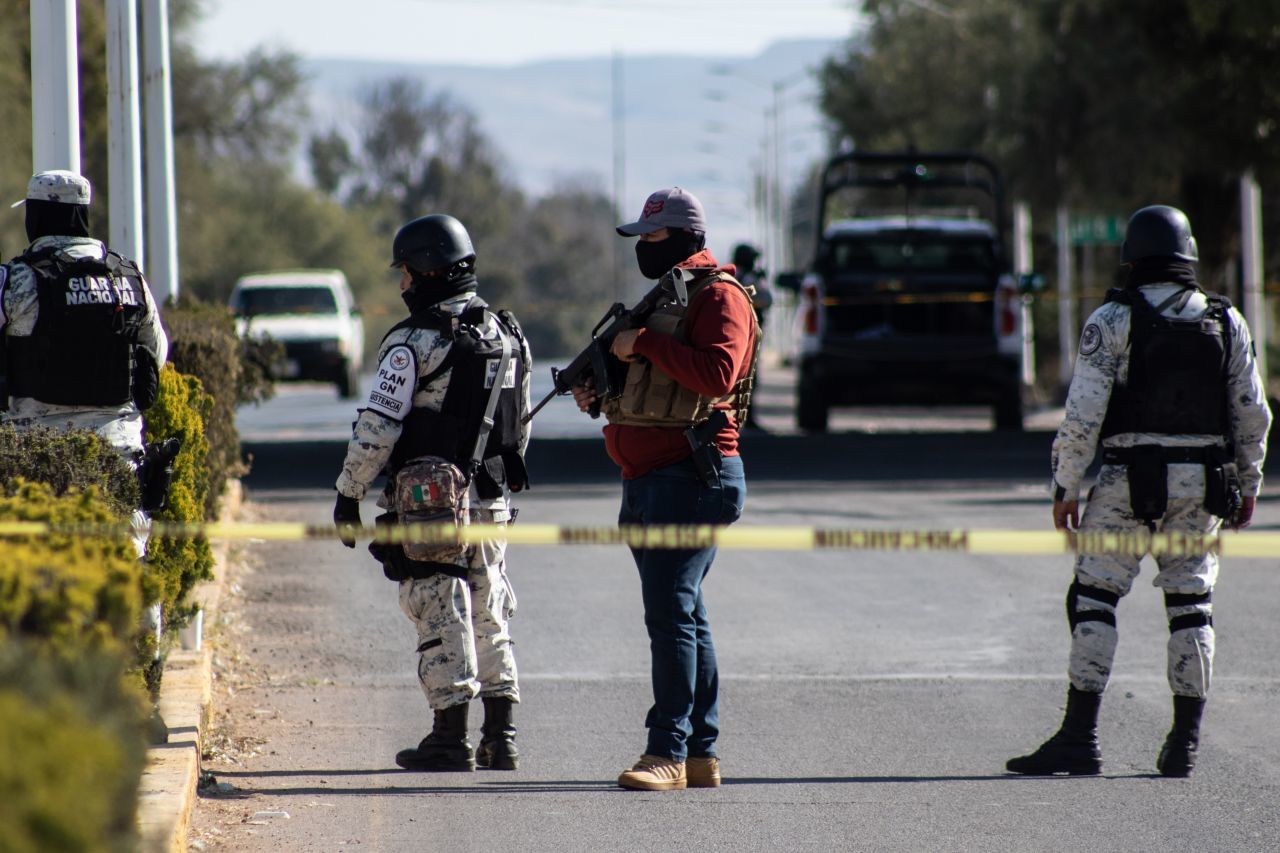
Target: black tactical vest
[1177,371]
[451,432]
[81,351]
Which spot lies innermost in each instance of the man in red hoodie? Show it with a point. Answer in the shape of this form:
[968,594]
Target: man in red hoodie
[673,431]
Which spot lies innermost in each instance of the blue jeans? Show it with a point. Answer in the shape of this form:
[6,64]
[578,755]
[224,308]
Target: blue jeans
[684,719]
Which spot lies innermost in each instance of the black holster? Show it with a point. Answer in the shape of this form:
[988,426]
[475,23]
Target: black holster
[1148,483]
[1222,492]
[702,441]
[155,473]
[399,567]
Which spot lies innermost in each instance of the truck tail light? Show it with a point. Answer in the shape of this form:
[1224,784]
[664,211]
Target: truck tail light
[1007,312]
[809,309]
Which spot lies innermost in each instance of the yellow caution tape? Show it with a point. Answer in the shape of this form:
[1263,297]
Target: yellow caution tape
[1048,542]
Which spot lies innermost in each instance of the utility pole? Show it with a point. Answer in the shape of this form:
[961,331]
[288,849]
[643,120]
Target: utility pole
[124,158]
[55,87]
[782,213]
[1067,331]
[1255,313]
[619,168]
[161,208]
[1024,265]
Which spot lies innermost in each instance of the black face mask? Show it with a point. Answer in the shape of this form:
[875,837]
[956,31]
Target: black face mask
[54,219]
[655,259]
[428,291]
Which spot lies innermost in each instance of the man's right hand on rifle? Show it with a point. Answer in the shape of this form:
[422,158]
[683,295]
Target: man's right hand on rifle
[585,394]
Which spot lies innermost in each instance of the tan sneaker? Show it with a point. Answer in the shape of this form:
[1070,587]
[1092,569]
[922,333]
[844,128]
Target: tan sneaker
[703,772]
[654,773]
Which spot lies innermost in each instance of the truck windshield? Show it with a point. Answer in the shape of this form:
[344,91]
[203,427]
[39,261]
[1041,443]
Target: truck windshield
[284,300]
[912,252]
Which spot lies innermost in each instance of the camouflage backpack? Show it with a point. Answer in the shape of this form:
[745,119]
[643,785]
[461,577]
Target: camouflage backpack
[432,490]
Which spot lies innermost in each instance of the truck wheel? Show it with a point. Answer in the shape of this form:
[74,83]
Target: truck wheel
[347,382]
[1008,410]
[812,408]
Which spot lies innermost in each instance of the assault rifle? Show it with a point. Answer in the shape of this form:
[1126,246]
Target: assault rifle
[595,361]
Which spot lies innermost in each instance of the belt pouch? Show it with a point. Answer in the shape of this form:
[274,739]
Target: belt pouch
[1221,485]
[1148,483]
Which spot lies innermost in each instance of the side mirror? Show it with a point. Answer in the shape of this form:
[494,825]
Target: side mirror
[1030,282]
[789,281]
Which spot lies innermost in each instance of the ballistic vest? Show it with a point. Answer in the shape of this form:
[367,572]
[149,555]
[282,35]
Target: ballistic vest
[1177,381]
[81,351]
[451,432]
[652,398]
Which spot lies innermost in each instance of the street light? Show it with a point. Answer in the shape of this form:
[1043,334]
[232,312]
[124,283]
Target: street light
[777,248]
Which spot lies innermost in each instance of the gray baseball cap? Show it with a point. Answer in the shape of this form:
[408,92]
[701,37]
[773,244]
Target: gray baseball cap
[668,208]
[57,185]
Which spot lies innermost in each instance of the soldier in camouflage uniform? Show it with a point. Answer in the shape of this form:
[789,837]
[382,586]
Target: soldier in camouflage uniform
[82,336]
[1167,381]
[424,403]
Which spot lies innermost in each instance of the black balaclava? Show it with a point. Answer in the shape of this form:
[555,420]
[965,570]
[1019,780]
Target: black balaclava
[55,219]
[1160,270]
[656,258]
[428,290]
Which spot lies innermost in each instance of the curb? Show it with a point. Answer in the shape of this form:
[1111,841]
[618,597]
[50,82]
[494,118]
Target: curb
[167,790]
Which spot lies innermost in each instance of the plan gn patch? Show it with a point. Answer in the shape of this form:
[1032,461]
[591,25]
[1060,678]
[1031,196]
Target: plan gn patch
[393,384]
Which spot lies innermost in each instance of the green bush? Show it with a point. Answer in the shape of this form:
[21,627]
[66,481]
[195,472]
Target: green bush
[67,591]
[72,750]
[66,460]
[203,343]
[175,565]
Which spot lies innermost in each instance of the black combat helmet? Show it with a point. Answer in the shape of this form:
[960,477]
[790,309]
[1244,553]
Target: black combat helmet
[431,243]
[1158,231]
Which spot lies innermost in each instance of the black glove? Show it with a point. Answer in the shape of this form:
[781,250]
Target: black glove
[346,513]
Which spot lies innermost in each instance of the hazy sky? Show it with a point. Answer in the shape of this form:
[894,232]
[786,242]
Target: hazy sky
[506,32]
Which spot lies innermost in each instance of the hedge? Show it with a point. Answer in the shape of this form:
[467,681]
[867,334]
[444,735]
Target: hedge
[68,592]
[175,566]
[203,343]
[72,750]
[66,460]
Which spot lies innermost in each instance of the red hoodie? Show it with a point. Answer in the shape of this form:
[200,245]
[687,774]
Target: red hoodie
[718,325]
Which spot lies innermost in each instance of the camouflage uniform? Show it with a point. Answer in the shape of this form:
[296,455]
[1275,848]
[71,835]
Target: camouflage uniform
[1103,362]
[463,641]
[119,426]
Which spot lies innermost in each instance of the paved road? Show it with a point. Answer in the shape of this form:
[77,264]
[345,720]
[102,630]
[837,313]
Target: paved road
[869,700]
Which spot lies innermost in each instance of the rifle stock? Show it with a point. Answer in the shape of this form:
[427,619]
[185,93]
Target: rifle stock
[595,360]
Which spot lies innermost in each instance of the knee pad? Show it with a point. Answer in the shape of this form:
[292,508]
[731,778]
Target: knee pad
[1100,606]
[1201,617]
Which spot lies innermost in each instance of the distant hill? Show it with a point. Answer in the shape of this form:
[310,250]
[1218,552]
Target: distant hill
[695,122]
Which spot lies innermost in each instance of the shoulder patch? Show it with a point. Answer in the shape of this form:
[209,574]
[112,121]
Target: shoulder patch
[393,384]
[1090,339]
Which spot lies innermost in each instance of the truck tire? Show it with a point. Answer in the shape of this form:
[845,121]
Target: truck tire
[812,407]
[1007,411]
[348,383]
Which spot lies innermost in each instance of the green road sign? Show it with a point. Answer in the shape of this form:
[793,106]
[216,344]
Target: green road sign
[1096,230]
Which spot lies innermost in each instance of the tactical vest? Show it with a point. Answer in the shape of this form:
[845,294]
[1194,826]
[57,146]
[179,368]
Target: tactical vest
[652,398]
[451,432]
[81,351]
[1177,381]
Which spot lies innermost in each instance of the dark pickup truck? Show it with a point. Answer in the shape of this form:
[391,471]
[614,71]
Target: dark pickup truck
[914,302]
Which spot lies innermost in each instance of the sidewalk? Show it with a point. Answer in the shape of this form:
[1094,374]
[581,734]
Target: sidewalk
[167,791]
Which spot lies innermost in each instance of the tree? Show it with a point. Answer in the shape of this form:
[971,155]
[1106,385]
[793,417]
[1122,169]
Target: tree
[1097,105]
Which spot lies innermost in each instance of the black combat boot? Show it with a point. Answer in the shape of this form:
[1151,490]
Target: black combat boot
[1178,755]
[446,748]
[1074,747]
[497,750]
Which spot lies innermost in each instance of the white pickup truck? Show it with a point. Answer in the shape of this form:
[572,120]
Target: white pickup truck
[311,312]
